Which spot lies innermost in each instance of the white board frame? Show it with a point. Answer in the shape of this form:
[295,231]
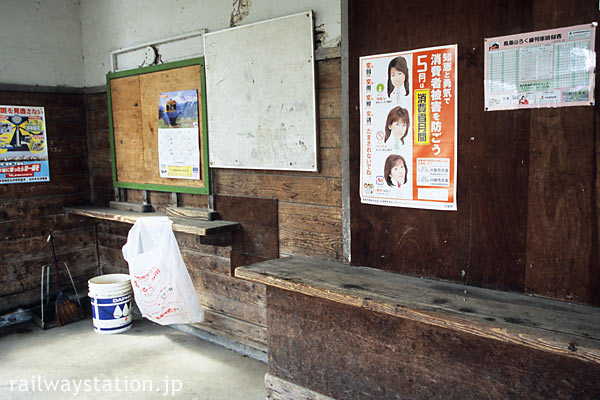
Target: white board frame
[261,100]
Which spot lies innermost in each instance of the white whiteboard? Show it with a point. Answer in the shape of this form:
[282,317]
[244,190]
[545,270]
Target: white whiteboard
[260,91]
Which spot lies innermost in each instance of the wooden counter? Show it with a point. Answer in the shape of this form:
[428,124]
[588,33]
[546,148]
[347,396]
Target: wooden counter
[569,329]
[341,332]
[192,226]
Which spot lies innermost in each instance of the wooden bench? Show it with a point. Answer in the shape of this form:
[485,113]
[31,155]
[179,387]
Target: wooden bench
[360,333]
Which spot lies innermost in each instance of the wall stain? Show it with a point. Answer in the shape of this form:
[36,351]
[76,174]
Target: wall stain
[241,9]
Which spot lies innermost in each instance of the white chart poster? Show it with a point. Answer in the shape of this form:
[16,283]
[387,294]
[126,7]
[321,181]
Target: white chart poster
[551,68]
[408,122]
[178,142]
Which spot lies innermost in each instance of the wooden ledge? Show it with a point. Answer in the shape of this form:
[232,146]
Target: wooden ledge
[569,329]
[193,226]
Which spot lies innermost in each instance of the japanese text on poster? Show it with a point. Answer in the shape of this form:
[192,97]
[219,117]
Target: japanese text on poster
[552,68]
[23,145]
[178,143]
[408,128]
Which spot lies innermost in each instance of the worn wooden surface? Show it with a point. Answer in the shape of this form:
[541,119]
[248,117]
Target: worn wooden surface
[562,224]
[234,297]
[193,226]
[258,238]
[280,389]
[191,212]
[302,189]
[241,331]
[353,353]
[527,216]
[310,229]
[540,324]
[30,211]
[135,123]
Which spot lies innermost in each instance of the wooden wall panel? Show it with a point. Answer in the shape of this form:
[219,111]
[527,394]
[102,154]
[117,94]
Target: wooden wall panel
[259,236]
[527,215]
[309,190]
[330,133]
[60,185]
[194,200]
[561,201]
[330,103]
[29,212]
[311,230]
[594,282]
[562,225]
[241,331]
[351,353]
[99,146]
[328,74]
[42,226]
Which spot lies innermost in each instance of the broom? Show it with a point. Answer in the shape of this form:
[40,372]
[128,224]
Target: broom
[66,310]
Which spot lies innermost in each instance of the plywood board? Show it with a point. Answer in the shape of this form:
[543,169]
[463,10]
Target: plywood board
[127,129]
[261,94]
[134,112]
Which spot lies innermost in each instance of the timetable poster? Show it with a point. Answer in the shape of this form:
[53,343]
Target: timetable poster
[23,145]
[408,138]
[178,142]
[552,68]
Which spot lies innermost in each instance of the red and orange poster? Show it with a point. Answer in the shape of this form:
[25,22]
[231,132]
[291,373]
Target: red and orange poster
[408,128]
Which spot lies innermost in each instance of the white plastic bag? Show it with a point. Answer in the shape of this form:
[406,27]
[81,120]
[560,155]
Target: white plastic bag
[162,287]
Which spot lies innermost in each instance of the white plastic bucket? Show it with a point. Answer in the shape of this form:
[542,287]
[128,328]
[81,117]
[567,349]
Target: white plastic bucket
[111,297]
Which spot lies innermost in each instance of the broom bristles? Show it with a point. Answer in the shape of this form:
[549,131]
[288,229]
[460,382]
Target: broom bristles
[67,311]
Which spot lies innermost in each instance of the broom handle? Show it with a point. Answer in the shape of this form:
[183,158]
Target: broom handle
[55,263]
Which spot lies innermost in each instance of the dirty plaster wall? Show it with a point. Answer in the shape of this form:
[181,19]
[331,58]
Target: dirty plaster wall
[41,43]
[112,24]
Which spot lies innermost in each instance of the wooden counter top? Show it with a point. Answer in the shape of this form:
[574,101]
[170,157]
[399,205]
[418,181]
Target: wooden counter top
[543,324]
[193,226]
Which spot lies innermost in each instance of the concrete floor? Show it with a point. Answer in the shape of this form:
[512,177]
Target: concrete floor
[147,362]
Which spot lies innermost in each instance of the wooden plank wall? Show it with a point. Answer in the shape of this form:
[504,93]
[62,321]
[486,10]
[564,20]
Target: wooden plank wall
[30,211]
[527,191]
[99,140]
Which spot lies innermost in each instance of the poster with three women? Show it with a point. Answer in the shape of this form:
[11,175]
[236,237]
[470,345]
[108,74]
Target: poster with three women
[408,120]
